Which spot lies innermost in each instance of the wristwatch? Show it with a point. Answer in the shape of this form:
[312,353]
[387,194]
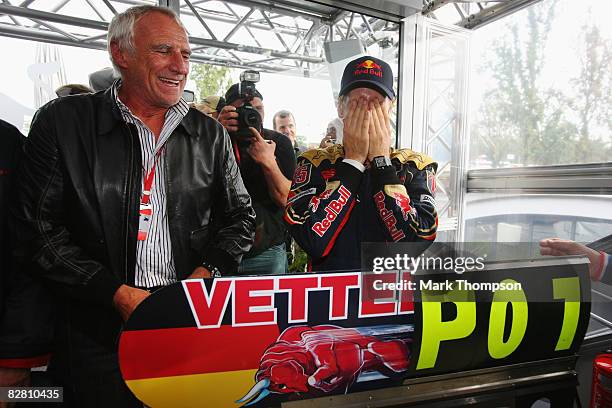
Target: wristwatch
[381,162]
[214,271]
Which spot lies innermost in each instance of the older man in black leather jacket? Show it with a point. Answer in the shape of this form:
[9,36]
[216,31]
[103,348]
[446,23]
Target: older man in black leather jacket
[121,192]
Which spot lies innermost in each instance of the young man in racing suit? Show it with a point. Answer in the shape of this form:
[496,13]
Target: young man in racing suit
[361,190]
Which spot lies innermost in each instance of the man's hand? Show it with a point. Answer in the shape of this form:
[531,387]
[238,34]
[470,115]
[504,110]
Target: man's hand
[356,124]
[262,150]
[228,117]
[379,131]
[127,299]
[327,141]
[199,273]
[13,377]
[562,247]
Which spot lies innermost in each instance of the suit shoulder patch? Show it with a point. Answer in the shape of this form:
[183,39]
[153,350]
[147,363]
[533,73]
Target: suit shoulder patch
[420,160]
[316,156]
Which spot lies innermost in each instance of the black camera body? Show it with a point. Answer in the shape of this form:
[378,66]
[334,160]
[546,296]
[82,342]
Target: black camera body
[248,116]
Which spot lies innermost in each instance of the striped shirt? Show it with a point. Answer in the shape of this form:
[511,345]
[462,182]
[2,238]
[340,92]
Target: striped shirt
[154,259]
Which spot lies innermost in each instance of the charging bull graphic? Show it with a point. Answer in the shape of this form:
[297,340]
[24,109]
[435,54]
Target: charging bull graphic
[321,359]
[368,64]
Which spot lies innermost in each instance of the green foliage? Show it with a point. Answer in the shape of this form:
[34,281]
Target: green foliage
[300,260]
[210,80]
[539,125]
[301,139]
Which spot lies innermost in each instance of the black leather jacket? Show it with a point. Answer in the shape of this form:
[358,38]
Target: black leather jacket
[79,186]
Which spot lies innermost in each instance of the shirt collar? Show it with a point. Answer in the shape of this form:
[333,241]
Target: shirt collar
[181,107]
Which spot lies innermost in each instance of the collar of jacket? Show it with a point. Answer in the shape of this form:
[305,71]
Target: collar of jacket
[109,115]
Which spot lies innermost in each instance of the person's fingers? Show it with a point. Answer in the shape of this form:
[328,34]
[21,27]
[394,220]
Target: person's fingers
[361,112]
[348,120]
[256,135]
[367,123]
[227,115]
[569,247]
[547,240]
[376,125]
[552,252]
[564,246]
[386,118]
[354,116]
[325,142]
[382,120]
[226,118]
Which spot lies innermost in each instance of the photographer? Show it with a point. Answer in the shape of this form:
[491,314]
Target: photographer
[267,163]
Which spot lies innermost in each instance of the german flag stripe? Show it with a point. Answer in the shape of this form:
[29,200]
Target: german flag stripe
[217,390]
[189,350]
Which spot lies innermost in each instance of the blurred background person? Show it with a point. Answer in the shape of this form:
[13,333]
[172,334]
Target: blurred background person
[333,133]
[211,105]
[284,122]
[73,89]
[102,79]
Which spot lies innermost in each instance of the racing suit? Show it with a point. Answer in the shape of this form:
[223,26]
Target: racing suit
[333,207]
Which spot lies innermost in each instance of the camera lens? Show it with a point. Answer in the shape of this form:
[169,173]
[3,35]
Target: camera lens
[252,119]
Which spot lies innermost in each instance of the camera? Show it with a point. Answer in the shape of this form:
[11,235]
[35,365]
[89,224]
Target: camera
[248,116]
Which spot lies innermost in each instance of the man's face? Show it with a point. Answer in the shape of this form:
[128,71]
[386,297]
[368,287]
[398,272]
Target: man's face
[256,102]
[370,95]
[286,126]
[159,64]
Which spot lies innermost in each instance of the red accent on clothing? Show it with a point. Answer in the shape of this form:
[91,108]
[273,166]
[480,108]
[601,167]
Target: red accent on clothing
[332,241]
[30,362]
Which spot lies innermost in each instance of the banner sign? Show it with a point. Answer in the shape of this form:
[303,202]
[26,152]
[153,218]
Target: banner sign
[258,341]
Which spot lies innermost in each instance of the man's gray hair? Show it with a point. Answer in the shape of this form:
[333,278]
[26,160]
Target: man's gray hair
[281,114]
[121,28]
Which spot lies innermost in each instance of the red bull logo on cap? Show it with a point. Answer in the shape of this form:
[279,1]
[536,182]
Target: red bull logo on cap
[368,67]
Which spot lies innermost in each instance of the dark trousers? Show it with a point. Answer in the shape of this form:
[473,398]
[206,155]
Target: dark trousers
[85,362]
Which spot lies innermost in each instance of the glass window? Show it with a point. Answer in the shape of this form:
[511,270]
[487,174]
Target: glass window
[541,86]
[530,218]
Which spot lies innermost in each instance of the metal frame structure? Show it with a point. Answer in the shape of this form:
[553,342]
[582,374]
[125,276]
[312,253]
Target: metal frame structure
[566,179]
[474,13]
[228,33]
[434,117]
